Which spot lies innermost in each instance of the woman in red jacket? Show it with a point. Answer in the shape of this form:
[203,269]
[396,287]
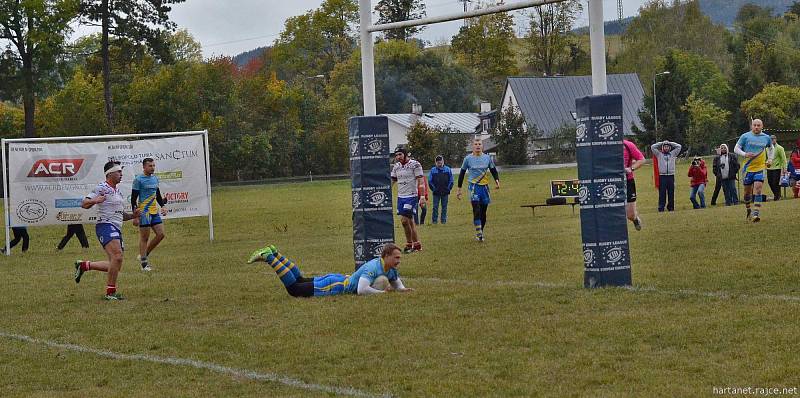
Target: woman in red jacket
[699,175]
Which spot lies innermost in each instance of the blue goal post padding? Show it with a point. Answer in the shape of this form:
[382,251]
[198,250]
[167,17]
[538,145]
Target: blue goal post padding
[373,217]
[602,191]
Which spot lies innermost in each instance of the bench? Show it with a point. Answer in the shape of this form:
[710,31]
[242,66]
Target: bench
[554,202]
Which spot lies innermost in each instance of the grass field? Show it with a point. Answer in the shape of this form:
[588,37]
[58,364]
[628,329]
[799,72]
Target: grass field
[715,304]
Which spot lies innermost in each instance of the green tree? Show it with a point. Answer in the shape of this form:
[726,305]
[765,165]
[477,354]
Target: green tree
[513,137]
[75,110]
[708,124]
[663,26]
[313,43]
[766,49]
[550,44]
[35,31]
[183,47]
[794,8]
[12,121]
[452,145]
[777,105]
[562,145]
[135,20]
[689,74]
[422,142]
[400,10]
[404,75]
[485,45]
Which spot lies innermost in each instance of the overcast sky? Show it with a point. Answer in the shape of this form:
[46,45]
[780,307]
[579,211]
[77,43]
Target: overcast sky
[232,27]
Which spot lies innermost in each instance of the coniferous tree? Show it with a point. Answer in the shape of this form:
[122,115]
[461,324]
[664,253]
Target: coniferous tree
[400,10]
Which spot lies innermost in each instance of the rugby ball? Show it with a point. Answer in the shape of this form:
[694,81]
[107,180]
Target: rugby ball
[381,283]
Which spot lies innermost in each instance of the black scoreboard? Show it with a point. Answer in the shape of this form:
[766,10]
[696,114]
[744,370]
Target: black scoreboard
[564,188]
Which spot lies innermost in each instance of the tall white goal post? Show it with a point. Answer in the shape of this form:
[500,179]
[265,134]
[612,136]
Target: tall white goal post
[596,32]
[45,179]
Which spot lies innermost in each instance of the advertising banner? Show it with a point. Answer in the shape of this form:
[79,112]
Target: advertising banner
[48,180]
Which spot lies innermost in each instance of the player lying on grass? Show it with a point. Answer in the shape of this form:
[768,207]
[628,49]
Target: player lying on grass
[359,283]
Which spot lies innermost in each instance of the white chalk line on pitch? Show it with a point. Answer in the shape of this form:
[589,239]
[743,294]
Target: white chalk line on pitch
[637,289]
[241,373]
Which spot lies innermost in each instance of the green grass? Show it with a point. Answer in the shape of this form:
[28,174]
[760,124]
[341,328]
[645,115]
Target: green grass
[716,305]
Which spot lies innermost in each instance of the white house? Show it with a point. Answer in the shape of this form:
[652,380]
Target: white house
[400,124]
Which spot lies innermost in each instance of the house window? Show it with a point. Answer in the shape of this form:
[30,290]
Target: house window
[486,126]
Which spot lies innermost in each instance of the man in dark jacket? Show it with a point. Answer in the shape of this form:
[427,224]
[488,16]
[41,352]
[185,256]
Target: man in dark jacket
[726,169]
[440,180]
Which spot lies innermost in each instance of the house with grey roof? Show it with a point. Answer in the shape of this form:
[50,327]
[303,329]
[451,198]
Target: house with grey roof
[549,102]
[457,123]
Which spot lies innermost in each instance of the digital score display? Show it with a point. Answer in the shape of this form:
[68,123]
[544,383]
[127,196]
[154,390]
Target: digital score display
[564,188]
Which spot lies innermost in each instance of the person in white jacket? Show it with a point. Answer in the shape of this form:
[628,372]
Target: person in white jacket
[666,152]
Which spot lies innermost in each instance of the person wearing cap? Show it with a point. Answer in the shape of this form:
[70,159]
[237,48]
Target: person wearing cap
[407,174]
[440,179]
[777,169]
[756,147]
[666,152]
[110,216]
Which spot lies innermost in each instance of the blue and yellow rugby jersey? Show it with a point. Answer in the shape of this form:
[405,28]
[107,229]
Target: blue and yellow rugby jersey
[478,168]
[755,143]
[147,187]
[370,270]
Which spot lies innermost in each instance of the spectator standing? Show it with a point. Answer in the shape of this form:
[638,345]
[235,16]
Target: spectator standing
[440,180]
[777,169]
[726,170]
[699,175]
[76,230]
[793,168]
[666,152]
[717,180]
[20,234]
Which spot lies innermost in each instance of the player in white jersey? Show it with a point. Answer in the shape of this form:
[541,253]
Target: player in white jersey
[408,175]
[110,216]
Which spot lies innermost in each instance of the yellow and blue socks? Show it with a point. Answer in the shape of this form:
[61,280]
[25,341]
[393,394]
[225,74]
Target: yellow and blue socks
[478,229]
[286,270]
[757,207]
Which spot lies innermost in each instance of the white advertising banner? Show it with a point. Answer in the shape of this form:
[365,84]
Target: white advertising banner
[47,181]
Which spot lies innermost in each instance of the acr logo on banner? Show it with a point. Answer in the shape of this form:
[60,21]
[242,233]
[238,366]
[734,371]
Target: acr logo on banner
[55,168]
[68,203]
[32,211]
[177,197]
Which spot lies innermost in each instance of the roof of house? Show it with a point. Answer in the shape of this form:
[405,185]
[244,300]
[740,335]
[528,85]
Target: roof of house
[462,122]
[548,102]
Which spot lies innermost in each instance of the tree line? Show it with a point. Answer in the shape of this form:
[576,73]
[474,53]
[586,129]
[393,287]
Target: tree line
[285,111]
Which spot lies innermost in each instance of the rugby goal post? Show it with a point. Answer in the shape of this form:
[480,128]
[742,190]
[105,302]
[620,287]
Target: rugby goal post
[599,135]
[45,179]
[596,33]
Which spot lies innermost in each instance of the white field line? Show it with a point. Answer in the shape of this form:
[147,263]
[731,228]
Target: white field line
[234,372]
[644,289]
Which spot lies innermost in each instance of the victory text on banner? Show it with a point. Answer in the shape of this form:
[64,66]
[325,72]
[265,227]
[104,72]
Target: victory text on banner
[48,181]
